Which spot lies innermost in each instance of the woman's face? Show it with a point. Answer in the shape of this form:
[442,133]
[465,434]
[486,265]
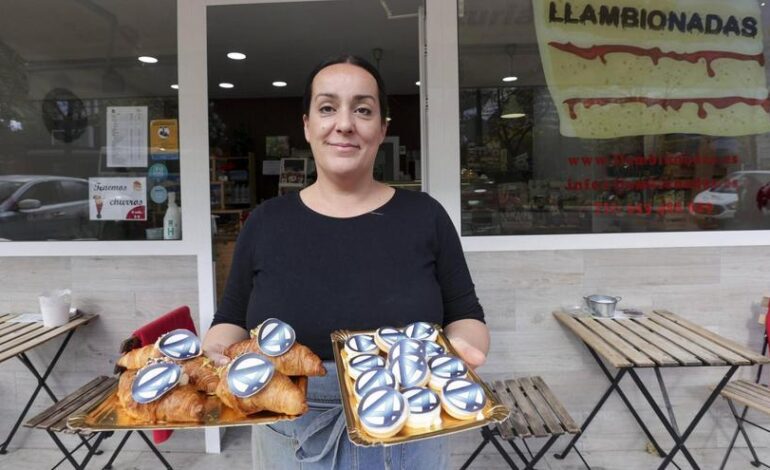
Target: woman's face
[344,127]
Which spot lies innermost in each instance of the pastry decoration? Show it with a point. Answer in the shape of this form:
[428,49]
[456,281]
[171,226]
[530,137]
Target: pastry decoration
[406,346]
[275,337]
[421,330]
[387,336]
[363,362]
[432,349]
[154,387]
[371,379]
[444,368]
[297,360]
[463,398]
[424,407]
[248,374]
[410,370]
[280,395]
[154,380]
[180,344]
[383,412]
[182,404]
[360,344]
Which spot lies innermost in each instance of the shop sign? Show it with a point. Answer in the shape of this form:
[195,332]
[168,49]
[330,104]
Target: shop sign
[117,198]
[622,67]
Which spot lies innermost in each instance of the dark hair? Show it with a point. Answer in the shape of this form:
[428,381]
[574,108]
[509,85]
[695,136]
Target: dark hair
[358,62]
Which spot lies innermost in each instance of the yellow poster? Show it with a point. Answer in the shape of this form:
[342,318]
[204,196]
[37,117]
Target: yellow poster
[636,67]
[164,135]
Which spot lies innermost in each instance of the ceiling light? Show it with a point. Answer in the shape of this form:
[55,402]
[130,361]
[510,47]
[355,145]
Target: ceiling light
[236,55]
[512,109]
[417,83]
[148,59]
[279,84]
[510,77]
[226,85]
[175,86]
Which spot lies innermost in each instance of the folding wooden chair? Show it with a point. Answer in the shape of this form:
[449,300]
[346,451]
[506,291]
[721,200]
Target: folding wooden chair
[535,412]
[752,395]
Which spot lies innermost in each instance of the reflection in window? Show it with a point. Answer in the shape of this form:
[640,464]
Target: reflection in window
[521,174]
[56,138]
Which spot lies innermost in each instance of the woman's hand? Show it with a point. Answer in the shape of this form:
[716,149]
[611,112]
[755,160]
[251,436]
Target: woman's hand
[218,338]
[469,354]
[470,338]
[215,352]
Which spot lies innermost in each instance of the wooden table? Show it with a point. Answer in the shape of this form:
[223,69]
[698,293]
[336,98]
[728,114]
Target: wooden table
[18,338]
[656,340]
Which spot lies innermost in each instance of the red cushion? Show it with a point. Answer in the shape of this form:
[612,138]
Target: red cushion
[149,333]
[767,324]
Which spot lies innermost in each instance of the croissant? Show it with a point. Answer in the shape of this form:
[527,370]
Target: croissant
[137,358]
[144,413]
[299,360]
[202,373]
[280,395]
[182,404]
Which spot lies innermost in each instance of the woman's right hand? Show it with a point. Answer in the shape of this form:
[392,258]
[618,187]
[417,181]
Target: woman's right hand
[216,352]
[218,338]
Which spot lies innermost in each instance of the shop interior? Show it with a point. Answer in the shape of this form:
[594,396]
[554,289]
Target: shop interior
[259,57]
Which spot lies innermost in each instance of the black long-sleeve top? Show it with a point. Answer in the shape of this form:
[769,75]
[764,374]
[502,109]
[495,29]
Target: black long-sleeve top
[400,263]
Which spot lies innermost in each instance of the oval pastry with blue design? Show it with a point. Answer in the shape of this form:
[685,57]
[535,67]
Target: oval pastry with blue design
[421,330]
[445,367]
[152,381]
[363,362]
[383,412]
[275,337]
[433,349]
[360,344]
[180,344]
[410,370]
[248,374]
[463,398]
[387,336]
[424,408]
[406,346]
[371,379]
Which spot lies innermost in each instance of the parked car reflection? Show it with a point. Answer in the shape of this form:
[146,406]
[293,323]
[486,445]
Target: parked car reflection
[737,194]
[38,207]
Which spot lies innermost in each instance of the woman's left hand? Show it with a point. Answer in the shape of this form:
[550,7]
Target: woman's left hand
[469,354]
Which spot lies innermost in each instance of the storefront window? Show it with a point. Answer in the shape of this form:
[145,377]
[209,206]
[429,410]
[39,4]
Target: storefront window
[599,117]
[89,142]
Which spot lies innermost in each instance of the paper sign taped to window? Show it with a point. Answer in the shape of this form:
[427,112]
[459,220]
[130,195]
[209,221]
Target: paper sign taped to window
[622,67]
[117,198]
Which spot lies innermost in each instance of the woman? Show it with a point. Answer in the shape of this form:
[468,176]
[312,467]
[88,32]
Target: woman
[347,252]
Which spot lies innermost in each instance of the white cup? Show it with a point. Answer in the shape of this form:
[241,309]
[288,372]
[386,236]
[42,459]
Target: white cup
[55,307]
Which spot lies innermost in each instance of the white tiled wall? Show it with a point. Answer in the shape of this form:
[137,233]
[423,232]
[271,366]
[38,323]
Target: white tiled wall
[716,287]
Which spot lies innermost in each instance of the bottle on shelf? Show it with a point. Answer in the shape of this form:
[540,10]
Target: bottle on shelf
[172,221]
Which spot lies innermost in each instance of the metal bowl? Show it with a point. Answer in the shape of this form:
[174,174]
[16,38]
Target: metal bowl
[602,305]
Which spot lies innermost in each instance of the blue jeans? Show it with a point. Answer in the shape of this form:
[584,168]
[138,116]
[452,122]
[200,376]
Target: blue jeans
[318,439]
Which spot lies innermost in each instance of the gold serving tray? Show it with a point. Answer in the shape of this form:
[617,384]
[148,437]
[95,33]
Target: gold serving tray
[109,415]
[494,411]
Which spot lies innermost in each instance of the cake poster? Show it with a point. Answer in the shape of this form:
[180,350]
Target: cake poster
[117,198]
[627,67]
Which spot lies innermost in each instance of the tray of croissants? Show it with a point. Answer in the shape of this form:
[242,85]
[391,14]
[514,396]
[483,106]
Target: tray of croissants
[171,385]
[405,384]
